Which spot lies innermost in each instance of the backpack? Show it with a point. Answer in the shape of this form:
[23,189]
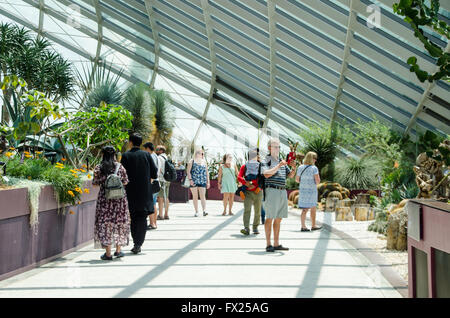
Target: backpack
[170,174]
[113,186]
[261,178]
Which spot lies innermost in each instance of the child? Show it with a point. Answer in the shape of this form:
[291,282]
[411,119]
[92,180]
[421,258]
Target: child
[251,173]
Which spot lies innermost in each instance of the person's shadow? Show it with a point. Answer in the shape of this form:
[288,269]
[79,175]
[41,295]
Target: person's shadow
[264,253]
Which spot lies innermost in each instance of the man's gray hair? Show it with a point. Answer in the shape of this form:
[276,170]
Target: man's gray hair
[272,140]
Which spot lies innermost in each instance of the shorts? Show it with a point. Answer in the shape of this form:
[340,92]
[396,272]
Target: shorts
[164,192]
[275,204]
[201,185]
[155,198]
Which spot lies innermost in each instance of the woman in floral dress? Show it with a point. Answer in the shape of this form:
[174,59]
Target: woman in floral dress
[112,217]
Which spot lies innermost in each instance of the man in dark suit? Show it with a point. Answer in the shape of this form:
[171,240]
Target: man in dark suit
[140,170]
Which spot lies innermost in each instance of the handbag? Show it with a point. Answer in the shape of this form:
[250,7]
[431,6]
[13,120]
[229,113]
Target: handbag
[156,186]
[186,183]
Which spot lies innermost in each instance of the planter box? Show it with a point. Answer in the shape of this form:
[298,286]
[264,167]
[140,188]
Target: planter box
[428,249]
[58,234]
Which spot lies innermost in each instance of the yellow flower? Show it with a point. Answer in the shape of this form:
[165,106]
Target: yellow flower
[89,176]
[86,190]
[63,159]
[26,152]
[73,171]
[28,156]
[12,148]
[83,171]
[75,176]
[60,167]
[71,212]
[84,166]
[8,154]
[396,165]
[71,193]
[79,202]
[78,190]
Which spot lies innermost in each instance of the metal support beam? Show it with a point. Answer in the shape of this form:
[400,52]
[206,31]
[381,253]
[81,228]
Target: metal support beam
[96,4]
[41,17]
[212,57]
[151,16]
[348,39]
[272,41]
[426,94]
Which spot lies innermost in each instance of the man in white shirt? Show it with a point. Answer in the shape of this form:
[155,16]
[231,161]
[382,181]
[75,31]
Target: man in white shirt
[163,195]
[150,148]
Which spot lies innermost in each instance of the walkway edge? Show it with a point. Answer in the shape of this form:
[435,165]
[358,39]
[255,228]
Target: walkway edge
[394,278]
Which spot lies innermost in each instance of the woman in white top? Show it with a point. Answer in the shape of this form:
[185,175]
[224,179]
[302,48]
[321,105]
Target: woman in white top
[197,173]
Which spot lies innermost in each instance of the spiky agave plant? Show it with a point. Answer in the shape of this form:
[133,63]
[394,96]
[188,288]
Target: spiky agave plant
[357,173]
[138,101]
[97,83]
[162,119]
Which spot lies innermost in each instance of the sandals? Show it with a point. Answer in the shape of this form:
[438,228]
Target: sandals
[281,248]
[315,228]
[119,255]
[231,213]
[224,213]
[159,218]
[166,217]
[106,258]
[270,248]
[305,229]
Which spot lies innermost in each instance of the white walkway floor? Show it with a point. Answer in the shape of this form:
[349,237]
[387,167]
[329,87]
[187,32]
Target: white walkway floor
[208,257]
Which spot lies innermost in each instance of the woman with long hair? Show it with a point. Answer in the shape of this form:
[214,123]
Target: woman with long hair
[197,173]
[227,182]
[112,217]
[308,177]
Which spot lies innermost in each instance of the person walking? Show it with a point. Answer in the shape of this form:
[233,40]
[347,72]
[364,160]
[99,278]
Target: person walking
[112,217]
[275,197]
[227,182]
[252,192]
[163,195]
[308,179]
[141,170]
[197,173]
[150,148]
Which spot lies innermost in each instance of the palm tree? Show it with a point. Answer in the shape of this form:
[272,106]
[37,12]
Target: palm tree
[162,119]
[35,61]
[138,101]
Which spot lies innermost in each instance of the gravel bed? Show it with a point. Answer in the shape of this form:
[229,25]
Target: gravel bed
[374,240]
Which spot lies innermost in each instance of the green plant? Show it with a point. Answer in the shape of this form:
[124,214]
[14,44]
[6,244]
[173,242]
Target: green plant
[419,15]
[64,179]
[138,101]
[34,60]
[108,93]
[325,140]
[89,131]
[380,223]
[92,77]
[162,119]
[358,173]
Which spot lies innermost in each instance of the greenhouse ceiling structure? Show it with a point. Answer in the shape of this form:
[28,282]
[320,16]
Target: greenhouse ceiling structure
[232,66]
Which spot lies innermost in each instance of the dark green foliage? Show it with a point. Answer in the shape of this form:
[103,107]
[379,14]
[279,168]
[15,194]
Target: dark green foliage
[107,92]
[138,101]
[418,14]
[34,60]
[355,173]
